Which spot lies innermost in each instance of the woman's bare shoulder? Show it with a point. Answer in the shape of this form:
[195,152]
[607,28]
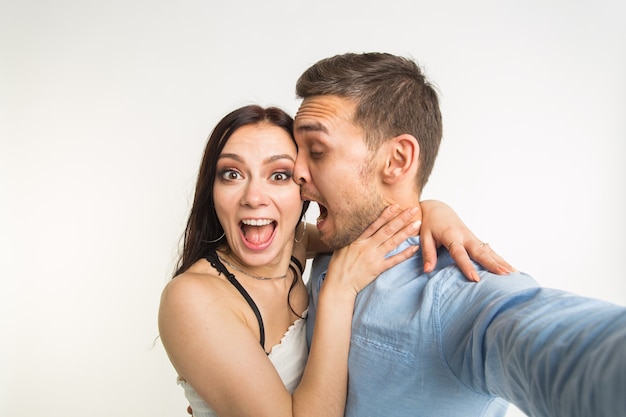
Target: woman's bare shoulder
[199,284]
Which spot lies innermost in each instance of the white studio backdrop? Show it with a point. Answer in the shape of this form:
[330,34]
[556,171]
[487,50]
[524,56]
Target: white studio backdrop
[105,111]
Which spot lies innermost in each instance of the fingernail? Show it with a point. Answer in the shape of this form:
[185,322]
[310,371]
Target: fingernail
[416,224]
[475,276]
[414,210]
[503,270]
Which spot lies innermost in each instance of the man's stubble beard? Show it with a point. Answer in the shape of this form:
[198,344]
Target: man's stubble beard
[352,221]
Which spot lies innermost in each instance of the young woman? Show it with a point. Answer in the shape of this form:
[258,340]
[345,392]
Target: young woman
[232,319]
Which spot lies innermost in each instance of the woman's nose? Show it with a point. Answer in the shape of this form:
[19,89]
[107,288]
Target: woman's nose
[255,195]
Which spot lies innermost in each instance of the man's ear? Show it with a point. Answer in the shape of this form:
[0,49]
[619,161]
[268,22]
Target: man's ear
[402,158]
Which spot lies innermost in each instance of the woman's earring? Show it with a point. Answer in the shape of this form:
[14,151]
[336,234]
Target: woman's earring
[216,240]
[303,230]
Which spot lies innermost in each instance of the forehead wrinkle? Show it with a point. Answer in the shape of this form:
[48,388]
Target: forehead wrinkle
[327,108]
[305,120]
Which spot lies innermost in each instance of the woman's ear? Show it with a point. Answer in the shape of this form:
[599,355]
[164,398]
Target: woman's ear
[402,158]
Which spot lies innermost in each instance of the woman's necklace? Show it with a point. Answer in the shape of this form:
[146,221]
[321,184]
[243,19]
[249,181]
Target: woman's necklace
[248,273]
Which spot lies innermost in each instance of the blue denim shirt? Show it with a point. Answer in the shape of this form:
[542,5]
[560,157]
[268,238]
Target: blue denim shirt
[438,345]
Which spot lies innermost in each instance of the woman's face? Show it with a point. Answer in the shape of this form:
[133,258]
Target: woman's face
[257,202]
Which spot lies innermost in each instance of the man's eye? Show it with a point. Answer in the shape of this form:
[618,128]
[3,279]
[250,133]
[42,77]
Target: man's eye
[316,154]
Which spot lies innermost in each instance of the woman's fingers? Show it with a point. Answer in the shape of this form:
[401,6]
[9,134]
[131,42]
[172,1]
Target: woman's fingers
[458,252]
[482,253]
[392,226]
[363,260]
[429,250]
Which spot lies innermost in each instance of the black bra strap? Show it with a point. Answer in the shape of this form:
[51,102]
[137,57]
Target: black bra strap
[215,262]
[298,264]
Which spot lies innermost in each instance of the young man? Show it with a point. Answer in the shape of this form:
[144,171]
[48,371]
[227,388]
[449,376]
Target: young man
[433,343]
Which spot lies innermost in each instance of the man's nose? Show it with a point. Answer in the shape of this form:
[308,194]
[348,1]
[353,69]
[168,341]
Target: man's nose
[300,171]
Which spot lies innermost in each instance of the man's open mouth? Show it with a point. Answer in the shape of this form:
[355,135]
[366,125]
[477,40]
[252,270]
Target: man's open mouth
[323,213]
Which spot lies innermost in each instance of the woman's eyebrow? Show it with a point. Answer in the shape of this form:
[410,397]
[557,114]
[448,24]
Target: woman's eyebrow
[267,160]
[274,158]
[230,156]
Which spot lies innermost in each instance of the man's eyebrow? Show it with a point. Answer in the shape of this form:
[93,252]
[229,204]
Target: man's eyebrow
[311,127]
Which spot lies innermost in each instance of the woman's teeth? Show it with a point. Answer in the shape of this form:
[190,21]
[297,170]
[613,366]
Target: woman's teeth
[256,222]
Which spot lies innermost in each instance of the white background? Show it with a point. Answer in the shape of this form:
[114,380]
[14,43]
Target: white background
[106,107]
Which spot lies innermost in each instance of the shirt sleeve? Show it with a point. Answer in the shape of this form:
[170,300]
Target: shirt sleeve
[549,352]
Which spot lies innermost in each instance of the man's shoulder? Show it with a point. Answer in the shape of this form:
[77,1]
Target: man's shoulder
[450,285]
[319,265]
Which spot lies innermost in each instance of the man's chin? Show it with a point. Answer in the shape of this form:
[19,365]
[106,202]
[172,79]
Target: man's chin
[338,240]
[352,226]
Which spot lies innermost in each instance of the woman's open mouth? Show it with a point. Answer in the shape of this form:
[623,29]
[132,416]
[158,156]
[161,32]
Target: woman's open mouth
[257,232]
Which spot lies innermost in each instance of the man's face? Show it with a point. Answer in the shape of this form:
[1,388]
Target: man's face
[335,169]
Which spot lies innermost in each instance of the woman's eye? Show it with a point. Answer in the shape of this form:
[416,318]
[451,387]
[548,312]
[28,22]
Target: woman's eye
[281,176]
[230,174]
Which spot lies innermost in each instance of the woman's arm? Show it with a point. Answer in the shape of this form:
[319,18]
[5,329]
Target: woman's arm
[440,226]
[213,349]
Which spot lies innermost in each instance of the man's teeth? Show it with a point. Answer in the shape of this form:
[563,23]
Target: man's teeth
[256,222]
